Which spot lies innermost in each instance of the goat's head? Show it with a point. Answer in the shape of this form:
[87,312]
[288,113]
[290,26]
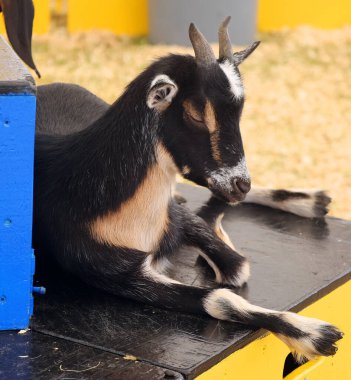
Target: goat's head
[199,101]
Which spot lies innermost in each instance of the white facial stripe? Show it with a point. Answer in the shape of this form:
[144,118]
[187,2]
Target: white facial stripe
[236,85]
[223,176]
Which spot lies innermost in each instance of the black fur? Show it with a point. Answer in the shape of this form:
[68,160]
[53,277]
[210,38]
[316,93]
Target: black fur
[276,324]
[269,321]
[284,195]
[328,334]
[66,108]
[321,204]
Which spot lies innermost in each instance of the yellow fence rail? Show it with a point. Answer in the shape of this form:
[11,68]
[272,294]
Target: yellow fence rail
[41,23]
[324,14]
[131,17]
[118,16]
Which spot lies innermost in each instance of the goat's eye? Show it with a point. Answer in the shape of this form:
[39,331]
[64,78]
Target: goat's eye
[197,120]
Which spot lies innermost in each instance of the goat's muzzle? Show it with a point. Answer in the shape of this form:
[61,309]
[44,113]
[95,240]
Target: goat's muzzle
[233,189]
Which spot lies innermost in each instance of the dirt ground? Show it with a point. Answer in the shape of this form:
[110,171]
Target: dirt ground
[296,124]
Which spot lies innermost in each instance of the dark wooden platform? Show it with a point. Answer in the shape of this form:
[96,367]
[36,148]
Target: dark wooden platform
[294,262]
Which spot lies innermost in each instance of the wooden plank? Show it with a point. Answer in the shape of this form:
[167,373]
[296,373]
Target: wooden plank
[295,261]
[14,76]
[41,357]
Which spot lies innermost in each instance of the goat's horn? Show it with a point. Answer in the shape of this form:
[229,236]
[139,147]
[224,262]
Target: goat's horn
[203,51]
[225,46]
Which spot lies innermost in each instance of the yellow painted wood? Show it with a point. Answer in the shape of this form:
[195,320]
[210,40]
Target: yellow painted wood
[325,14]
[264,359]
[41,23]
[118,16]
[59,6]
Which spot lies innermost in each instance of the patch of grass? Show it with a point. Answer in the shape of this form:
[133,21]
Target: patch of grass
[296,124]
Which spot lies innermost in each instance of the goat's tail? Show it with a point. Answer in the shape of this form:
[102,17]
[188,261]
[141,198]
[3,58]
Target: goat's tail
[306,337]
[306,203]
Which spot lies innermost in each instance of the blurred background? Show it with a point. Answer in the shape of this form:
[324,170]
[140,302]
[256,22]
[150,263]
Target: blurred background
[296,123]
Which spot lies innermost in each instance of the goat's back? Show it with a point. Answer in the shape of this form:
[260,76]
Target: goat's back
[64,108]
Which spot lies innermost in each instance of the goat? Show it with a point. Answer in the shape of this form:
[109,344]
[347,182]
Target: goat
[104,205]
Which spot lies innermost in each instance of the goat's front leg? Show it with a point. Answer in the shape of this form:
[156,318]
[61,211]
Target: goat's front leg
[229,266]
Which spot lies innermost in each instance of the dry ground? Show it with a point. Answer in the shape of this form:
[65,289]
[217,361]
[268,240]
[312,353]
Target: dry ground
[297,119]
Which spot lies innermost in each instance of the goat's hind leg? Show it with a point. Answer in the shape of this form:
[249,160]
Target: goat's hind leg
[305,337]
[305,203]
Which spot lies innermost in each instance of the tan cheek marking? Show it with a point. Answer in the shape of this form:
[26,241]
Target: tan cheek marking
[141,221]
[211,122]
[210,117]
[214,138]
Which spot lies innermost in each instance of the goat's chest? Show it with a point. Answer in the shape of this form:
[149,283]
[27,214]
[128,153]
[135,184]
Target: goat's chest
[141,221]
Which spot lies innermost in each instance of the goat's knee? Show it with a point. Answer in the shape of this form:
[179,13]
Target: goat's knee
[228,266]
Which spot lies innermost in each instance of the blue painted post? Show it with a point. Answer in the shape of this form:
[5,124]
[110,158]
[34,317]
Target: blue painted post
[17,128]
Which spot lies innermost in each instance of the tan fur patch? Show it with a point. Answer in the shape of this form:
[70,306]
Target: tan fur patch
[140,222]
[219,231]
[210,117]
[211,122]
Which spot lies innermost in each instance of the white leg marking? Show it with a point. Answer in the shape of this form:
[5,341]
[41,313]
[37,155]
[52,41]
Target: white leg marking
[220,232]
[239,304]
[303,347]
[151,272]
[305,207]
[243,274]
[214,267]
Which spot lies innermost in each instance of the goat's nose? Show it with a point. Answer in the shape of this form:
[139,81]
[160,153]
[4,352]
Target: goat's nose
[243,185]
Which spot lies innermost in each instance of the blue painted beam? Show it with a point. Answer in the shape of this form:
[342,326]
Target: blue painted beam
[17,129]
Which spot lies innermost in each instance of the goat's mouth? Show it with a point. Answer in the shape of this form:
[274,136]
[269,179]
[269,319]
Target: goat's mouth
[231,196]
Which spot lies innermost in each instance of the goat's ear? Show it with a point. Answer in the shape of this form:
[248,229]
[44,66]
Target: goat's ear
[240,56]
[161,93]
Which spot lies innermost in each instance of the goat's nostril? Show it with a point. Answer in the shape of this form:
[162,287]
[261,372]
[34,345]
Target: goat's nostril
[243,186]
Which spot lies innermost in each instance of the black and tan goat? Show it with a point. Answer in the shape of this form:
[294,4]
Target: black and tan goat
[104,206]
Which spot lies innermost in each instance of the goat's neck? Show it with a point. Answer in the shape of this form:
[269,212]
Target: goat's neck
[114,157]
